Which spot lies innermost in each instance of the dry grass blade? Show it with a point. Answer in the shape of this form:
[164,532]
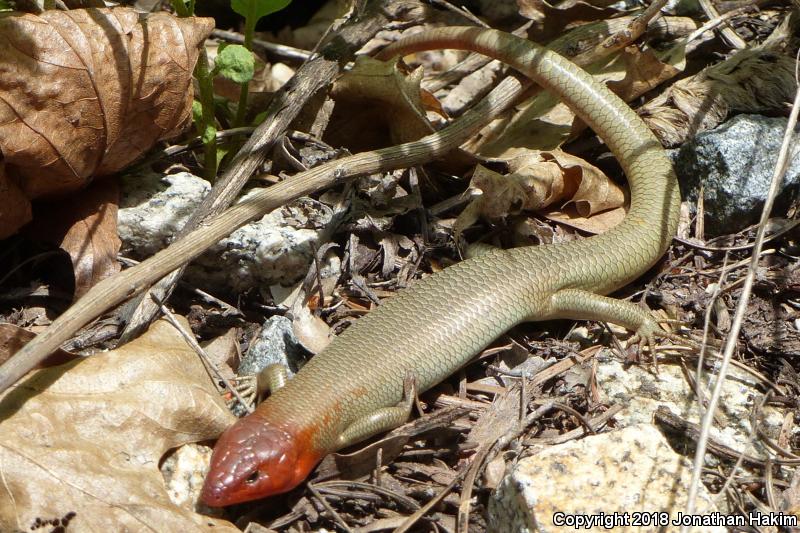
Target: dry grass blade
[781,166]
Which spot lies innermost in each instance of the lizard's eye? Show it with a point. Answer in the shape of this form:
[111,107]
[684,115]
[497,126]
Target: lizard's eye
[252,478]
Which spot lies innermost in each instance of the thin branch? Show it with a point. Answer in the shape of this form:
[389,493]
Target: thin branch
[116,289]
[207,362]
[280,51]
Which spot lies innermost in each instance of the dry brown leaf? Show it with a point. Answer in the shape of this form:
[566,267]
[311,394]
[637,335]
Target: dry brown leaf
[313,333]
[541,122]
[595,191]
[224,352]
[642,71]
[83,93]
[538,179]
[15,208]
[377,105]
[13,337]
[757,80]
[596,224]
[549,21]
[85,228]
[83,441]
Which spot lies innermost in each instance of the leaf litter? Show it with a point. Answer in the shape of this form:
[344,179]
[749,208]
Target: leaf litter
[169,398]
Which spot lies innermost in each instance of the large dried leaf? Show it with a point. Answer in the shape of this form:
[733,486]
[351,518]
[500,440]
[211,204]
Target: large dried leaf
[15,208]
[85,92]
[85,228]
[378,105]
[13,337]
[549,21]
[634,72]
[83,441]
[536,180]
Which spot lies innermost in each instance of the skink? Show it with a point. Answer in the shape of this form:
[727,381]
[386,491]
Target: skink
[355,387]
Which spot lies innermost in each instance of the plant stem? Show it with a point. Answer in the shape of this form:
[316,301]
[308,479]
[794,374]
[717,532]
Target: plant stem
[206,86]
[180,8]
[249,30]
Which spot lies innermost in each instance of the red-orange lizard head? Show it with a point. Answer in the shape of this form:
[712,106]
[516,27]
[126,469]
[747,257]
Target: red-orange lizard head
[254,459]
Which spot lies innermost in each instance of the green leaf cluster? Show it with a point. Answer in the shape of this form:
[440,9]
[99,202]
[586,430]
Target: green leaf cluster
[234,62]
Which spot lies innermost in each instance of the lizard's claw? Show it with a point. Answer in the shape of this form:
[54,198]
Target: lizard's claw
[247,387]
[651,328]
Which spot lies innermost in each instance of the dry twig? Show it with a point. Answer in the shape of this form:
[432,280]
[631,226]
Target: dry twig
[780,169]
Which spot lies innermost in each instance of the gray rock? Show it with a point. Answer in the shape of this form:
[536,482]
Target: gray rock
[734,163]
[608,477]
[153,208]
[277,249]
[276,343]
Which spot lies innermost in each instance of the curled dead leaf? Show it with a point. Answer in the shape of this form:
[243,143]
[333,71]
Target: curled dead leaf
[15,209]
[85,92]
[85,228]
[642,71]
[589,189]
[549,21]
[599,223]
[536,180]
[379,103]
[83,440]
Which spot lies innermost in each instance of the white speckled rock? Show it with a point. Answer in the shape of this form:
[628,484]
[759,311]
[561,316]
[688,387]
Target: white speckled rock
[640,392]
[276,249]
[153,207]
[624,472]
[184,471]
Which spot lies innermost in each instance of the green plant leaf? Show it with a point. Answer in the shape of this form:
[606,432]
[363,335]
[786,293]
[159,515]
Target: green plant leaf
[235,62]
[222,152]
[209,132]
[258,8]
[197,112]
[206,131]
[260,118]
